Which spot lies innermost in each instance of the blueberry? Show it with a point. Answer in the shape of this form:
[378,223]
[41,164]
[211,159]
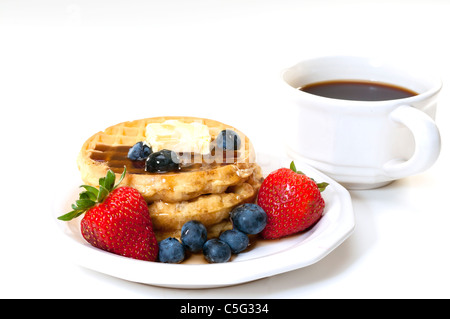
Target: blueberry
[139,151]
[228,140]
[216,251]
[238,241]
[249,218]
[193,235]
[162,162]
[171,251]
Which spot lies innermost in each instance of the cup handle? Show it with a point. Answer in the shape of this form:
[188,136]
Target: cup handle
[427,139]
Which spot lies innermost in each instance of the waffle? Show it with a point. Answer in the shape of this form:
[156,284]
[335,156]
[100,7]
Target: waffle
[212,209]
[202,191]
[107,150]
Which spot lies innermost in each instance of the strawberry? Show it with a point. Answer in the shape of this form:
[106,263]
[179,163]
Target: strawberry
[292,202]
[116,219]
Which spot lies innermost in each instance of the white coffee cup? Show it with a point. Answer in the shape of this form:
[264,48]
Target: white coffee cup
[363,144]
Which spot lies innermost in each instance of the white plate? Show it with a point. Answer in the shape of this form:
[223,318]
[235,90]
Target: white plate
[266,259]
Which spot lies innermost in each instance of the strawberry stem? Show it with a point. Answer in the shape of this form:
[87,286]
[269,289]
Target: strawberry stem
[321,186]
[93,196]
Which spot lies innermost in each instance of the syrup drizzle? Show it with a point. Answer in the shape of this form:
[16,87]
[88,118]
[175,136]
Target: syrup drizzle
[116,157]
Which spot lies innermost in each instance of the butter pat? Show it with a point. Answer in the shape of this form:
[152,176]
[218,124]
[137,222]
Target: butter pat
[178,136]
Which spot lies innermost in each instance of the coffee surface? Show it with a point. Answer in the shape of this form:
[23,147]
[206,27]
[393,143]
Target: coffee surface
[358,90]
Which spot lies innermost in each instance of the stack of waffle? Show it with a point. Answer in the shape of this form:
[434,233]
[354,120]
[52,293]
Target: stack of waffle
[203,191]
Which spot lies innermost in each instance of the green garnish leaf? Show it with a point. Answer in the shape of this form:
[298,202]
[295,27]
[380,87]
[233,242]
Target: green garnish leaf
[121,177]
[71,215]
[88,195]
[292,167]
[85,203]
[101,181]
[84,195]
[91,189]
[322,186]
[93,196]
[109,180]
[102,193]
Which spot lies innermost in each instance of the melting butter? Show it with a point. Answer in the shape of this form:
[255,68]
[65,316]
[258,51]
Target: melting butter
[179,137]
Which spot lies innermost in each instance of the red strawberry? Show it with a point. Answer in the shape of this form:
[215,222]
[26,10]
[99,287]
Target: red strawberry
[116,219]
[292,202]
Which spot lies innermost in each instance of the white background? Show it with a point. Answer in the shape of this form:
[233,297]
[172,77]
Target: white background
[71,68]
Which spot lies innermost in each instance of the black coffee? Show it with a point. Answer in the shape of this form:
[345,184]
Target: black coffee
[358,90]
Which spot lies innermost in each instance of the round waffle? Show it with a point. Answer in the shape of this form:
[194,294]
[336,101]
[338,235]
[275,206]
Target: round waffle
[108,149]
